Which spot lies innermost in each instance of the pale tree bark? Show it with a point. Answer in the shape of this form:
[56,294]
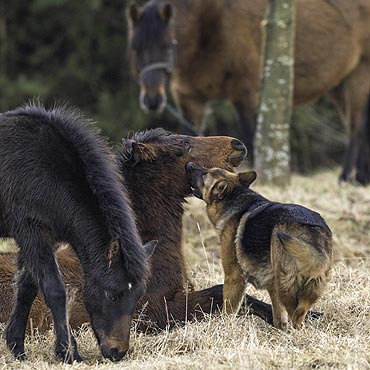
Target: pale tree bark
[272,148]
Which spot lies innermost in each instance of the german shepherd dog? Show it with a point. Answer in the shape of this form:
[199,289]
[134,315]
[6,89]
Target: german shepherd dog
[283,248]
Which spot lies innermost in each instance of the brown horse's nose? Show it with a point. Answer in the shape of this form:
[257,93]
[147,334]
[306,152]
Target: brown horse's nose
[239,153]
[238,145]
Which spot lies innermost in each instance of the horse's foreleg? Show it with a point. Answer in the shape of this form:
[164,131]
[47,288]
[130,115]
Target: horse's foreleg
[247,121]
[52,287]
[38,265]
[350,158]
[16,327]
[193,110]
[352,99]
[187,306]
[363,160]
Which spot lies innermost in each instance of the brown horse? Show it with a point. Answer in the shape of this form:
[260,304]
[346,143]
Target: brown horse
[153,165]
[219,57]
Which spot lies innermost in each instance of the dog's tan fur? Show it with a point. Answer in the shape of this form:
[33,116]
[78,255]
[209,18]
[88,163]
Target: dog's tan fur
[297,267]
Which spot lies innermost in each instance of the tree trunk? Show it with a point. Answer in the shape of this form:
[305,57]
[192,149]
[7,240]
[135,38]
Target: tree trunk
[272,148]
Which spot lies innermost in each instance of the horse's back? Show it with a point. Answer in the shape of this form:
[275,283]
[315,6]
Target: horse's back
[331,38]
[40,172]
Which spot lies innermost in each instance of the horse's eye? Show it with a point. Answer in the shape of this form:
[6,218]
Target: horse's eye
[188,148]
[112,298]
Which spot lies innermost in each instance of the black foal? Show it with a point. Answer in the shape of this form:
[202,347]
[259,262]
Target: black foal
[58,184]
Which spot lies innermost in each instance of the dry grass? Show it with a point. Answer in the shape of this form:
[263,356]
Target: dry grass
[339,340]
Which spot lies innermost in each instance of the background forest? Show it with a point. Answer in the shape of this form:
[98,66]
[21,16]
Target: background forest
[76,52]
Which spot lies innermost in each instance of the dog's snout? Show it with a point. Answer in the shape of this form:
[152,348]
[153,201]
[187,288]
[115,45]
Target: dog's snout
[238,145]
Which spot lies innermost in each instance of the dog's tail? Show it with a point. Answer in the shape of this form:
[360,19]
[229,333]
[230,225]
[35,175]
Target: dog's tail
[308,256]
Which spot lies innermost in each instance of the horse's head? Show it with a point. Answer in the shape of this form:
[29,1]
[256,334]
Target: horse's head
[152,50]
[111,295]
[162,157]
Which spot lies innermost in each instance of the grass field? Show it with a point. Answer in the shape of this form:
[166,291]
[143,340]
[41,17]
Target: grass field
[339,340]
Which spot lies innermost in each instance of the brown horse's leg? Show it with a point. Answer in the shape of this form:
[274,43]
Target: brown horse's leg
[247,121]
[363,160]
[192,108]
[184,307]
[352,97]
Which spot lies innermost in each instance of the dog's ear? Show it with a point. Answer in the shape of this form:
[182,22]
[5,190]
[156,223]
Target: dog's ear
[134,13]
[247,178]
[137,152]
[220,190]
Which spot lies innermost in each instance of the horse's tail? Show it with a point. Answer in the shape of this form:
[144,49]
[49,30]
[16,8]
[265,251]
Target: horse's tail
[101,175]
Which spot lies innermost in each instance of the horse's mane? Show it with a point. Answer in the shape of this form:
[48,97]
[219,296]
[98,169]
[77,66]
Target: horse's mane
[101,174]
[156,135]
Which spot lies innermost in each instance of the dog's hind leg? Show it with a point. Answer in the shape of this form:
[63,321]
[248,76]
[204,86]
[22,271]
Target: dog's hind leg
[279,313]
[300,313]
[26,292]
[307,296]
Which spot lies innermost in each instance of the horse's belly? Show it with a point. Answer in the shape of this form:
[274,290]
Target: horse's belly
[315,80]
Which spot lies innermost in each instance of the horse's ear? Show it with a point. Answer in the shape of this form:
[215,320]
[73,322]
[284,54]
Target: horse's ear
[135,13]
[149,248]
[113,252]
[247,178]
[166,12]
[143,152]
[127,148]
[137,151]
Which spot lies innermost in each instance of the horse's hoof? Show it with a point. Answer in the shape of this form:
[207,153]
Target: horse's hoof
[16,349]
[67,357]
[20,356]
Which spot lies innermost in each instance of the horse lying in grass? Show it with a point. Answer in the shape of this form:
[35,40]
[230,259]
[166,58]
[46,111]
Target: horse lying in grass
[153,166]
[219,57]
[58,184]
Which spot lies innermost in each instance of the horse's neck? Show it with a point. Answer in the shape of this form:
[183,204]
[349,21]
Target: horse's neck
[90,239]
[192,16]
[159,217]
[158,214]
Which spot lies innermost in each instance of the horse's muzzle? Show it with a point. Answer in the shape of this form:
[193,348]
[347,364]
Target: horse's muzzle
[113,354]
[239,154]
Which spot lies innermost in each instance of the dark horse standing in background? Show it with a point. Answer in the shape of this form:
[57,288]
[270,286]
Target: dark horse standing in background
[219,57]
[58,184]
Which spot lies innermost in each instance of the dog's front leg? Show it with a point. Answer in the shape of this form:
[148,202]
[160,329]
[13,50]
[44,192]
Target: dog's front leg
[234,284]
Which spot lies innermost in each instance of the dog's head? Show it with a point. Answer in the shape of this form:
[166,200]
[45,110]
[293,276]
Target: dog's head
[215,185]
